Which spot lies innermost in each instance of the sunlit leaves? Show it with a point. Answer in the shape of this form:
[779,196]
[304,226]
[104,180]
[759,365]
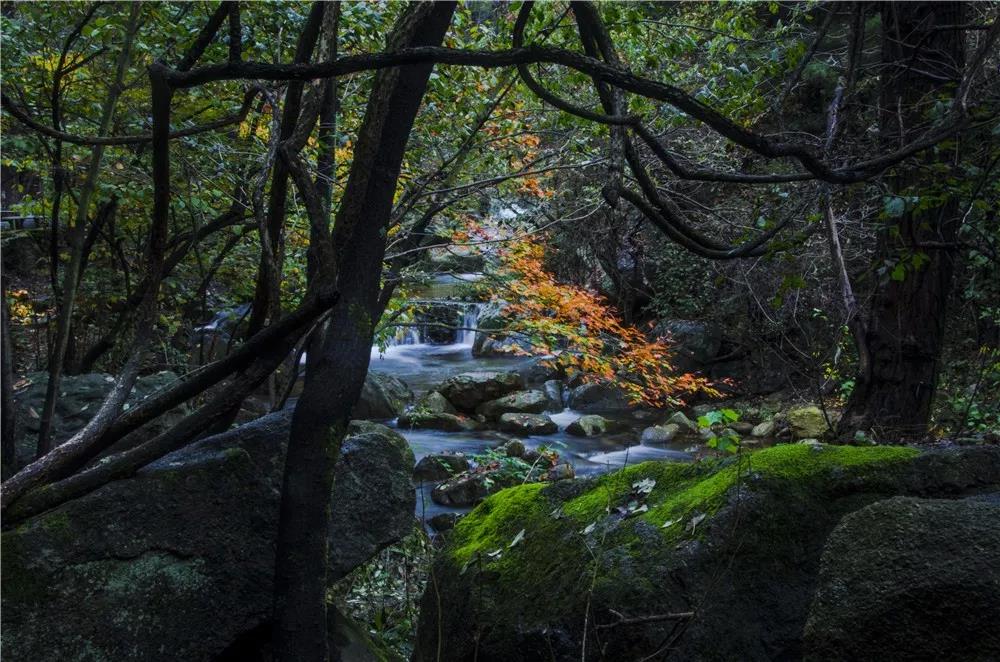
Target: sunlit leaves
[585,333]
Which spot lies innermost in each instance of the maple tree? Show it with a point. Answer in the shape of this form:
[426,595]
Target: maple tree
[584,333]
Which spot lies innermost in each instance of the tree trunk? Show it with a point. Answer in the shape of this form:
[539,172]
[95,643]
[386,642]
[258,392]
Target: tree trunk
[8,416]
[336,373]
[906,319]
[76,235]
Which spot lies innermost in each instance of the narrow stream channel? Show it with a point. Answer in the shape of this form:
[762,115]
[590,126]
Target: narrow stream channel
[423,366]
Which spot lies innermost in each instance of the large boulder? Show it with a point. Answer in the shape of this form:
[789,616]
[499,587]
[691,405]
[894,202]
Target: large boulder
[719,559]
[80,396]
[471,389]
[177,562]
[383,396]
[599,397]
[910,579]
[519,402]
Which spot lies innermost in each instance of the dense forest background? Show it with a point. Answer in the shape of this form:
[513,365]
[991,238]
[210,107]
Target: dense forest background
[783,202]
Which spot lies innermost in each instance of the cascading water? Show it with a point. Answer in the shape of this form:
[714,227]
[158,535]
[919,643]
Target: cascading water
[406,335]
[466,335]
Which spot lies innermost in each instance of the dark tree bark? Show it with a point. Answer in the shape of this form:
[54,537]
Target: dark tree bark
[906,319]
[336,374]
[71,275]
[8,416]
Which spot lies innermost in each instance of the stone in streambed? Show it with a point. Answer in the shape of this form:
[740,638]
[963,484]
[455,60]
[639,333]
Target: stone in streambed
[660,434]
[471,389]
[527,424]
[590,425]
[440,466]
[519,402]
[424,420]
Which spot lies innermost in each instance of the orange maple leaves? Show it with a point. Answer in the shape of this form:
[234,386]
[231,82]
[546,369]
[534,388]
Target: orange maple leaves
[582,330]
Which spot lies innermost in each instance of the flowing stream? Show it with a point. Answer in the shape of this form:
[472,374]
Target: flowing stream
[424,365]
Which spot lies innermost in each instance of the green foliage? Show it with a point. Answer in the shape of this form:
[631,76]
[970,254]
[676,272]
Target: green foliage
[720,437]
[384,594]
[506,470]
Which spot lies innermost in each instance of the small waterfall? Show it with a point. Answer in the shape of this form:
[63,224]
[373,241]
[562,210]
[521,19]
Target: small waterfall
[406,335]
[466,335]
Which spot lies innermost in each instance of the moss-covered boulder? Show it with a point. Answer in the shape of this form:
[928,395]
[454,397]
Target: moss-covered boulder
[714,560]
[807,422]
[471,389]
[910,579]
[176,563]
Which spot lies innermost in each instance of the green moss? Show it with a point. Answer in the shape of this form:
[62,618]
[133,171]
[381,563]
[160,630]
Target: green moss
[801,464]
[493,524]
[562,558]
[56,522]
[681,491]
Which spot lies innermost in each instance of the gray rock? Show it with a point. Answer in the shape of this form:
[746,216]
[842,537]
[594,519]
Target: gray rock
[440,466]
[519,402]
[742,427]
[444,521]
[660,434]
[590,425]
[909,579]
[435,403]
[421,420]
[471,389]
[574,378]
[177,561]
[468,489]
[527,424]
[514,448]
[602,397]
[80,396]
[683,422]
[539,369]
[383,396]
[765,429]
[553,390]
